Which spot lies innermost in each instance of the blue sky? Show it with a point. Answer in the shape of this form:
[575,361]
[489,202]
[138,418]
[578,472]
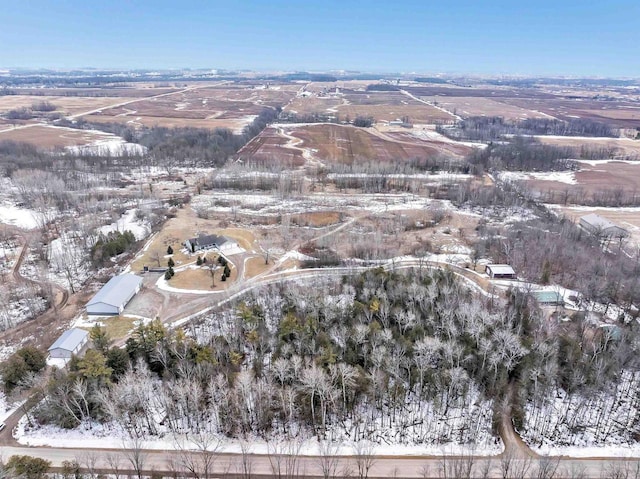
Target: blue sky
[543,37]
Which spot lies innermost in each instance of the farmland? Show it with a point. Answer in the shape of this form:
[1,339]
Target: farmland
[357,287]
[338,144]
[47,136]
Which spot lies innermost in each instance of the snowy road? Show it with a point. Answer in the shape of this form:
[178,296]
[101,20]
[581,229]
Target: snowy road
[311,466]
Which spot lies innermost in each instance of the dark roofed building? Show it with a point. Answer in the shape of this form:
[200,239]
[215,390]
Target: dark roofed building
[205,242]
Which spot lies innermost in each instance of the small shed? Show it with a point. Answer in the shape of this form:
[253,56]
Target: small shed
[114,296]
[500,271]
[71,342]
[548,298]
[598,225]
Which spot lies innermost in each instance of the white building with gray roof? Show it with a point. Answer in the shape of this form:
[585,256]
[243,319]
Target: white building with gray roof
[69,343]
[597,225]
[114,296]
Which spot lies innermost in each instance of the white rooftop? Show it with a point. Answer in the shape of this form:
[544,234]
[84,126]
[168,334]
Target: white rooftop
[598,221]
[501,269]
[70,339]
[117,290]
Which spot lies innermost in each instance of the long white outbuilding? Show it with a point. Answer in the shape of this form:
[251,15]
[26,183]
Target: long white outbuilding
[114,296]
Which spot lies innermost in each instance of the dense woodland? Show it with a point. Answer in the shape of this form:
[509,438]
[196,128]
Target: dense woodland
[522,154]
[393,357]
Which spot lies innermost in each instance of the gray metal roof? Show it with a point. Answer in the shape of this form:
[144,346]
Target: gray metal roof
[117,290]
[70,339]
[598,221]
[501,269]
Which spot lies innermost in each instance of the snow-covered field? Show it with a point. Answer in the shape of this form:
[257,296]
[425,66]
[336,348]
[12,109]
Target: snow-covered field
[567,177]
[271,205]
[108,145]
[432,135]
[20,217]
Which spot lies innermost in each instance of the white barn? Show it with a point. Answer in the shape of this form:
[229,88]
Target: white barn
[500,271]
[71,342]
[114,296]
[596,224]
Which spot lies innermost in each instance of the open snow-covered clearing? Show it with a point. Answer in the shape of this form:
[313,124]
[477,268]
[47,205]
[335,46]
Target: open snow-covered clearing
[17,216]
[567,177]
[432,135]
[269,205]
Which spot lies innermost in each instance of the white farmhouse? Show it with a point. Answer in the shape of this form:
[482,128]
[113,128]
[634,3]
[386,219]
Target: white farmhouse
[114,296]
[71,342]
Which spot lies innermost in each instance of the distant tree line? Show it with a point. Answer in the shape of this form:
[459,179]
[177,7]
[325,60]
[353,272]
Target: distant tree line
[487,128]
[431,80]
[185,146]
[382,87]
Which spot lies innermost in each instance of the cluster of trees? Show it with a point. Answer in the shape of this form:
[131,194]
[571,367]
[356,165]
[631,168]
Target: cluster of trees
[363,121]
[25,467]
[522,154]
[21,366]
[112,244]
[322,117]
[315,117]
[382,87]
[490,128]
[37,109]
[43,106]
